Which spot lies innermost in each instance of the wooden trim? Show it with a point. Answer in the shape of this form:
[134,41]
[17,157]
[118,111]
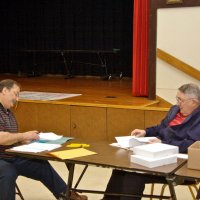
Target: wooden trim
[152,50]
[178,64]
[142,107]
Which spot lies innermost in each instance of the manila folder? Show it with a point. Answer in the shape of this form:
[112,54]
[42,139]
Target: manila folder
[72,153]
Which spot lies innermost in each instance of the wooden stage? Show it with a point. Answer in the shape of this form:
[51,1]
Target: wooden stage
[105,108]
[95,92]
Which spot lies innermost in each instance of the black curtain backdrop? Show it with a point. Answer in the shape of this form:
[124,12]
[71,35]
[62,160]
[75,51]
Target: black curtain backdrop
[65,24]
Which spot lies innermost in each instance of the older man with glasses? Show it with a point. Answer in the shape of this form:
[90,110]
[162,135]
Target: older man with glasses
[181,127]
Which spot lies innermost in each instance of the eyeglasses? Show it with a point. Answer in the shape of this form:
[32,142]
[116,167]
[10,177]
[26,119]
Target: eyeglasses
[182,101]
[16,93]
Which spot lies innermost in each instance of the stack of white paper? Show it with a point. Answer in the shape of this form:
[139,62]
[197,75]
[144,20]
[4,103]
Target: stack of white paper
[154,155]
[132,141]
[152,162]
[156,150]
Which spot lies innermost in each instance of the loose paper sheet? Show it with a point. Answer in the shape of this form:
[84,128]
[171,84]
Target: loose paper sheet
[36,147]
[182,156]
[44,96]
[132,141]
[49,136]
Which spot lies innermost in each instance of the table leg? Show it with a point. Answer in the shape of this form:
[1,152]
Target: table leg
[80,177]
[170,181]
[70,167]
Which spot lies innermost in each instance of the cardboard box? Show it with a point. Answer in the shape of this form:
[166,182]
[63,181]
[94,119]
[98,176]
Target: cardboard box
[156,150]
[194,156]
[152,162]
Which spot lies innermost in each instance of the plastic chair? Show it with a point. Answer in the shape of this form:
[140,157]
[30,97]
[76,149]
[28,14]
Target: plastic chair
[18,192]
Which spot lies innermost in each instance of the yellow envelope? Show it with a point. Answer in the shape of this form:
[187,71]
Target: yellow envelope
[72,153]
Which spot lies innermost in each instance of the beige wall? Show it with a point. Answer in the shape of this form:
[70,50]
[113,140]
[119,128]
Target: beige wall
[178,33]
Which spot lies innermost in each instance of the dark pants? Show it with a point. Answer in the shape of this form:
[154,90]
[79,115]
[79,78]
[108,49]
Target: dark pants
[129,183]
[31,168]
[8,176]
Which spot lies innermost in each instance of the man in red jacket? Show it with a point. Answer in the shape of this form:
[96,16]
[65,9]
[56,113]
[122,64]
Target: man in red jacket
[181,127]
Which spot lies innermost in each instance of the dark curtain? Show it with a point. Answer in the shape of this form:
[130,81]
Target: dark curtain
[65,24]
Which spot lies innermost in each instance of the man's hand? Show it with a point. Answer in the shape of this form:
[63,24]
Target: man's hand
[156,140]
[30,136]
[138,133]
[8,138]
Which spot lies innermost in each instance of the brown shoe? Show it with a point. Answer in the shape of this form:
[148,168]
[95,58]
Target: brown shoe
[76,196]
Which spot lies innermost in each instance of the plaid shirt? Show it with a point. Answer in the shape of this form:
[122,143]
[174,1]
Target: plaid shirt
[8,123]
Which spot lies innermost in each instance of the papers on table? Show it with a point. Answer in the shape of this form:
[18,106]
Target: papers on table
[115,144]
[153,162]
[154,155]
[47,142]
[49,136]
[156,150]
[72,153]
[62,140]
[52,138]
[147,154]
[182,156]
[36,147]
[132,141]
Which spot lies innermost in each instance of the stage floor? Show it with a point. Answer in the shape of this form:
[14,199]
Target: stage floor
[95,92]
